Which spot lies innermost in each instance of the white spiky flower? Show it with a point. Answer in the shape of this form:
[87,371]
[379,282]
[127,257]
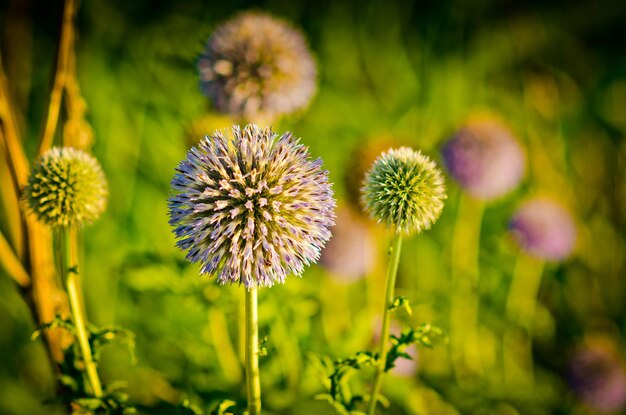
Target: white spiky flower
[251,208]
[405,190]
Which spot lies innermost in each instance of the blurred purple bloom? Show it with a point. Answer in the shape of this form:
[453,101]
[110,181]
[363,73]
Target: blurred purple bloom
[597,377]
[485,159]
[544,229]
[349,255]
[251,208]
[257,67]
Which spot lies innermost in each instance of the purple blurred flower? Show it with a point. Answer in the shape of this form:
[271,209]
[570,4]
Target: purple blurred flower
[349,255]
[485,159]
[252,207]
[257,67]
[544,229]
[596,375]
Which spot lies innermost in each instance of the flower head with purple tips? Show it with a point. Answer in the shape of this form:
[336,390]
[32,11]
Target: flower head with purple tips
[251,208]
[257,67]
[544,229]
[485,159]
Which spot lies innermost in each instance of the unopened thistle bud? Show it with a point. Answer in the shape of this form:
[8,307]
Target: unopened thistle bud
[256,66]
[251,208]
[66,187]
[404,190]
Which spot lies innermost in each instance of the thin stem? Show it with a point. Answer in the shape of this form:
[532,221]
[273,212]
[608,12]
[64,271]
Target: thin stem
[392,272]
[524,289]
[520,307]
[465,347]
[70,270]
[12,264]
[60,76]
[226,356]
[253,382]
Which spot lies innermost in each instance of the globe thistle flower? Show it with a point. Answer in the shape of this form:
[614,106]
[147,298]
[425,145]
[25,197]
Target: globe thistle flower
[256,66]
[485,159]
[596,375]
[66,187]
[349,255]
[404,190]
[251,208]
[544,229]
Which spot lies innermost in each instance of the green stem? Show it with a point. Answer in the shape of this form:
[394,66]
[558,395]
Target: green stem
[392,272]
[465,345]
[524,289]
[253,382]
[520,308]
[70,270]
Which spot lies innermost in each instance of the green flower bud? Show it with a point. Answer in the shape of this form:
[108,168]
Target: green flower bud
[66,187]
[404,190]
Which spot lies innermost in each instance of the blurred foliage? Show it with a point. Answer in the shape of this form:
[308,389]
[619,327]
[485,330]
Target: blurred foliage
[555,72]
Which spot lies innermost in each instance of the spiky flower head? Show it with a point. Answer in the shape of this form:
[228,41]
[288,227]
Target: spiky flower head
[485,159]
[251,208]
[66,186]
[545,229]
[256,66]
[405,190]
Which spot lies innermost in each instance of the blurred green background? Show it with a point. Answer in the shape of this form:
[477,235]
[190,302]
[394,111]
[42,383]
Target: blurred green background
[390,72]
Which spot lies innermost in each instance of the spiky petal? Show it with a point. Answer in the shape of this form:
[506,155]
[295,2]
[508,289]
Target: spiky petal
[251,207]
[405,190]
[256,66]
[485,159]
[544,229]
[66,186]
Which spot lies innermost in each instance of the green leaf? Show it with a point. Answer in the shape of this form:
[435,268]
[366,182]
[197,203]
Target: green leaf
[401,302]
[101,337]
[57,322]
[187,408]
[263,346]
[424,335]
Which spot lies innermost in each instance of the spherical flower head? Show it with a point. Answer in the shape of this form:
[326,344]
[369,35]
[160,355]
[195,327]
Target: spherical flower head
[251,208]
[596,375]
[405,190]
[485,159]
[349,256]
[257,67]
[544,229]
[66,186]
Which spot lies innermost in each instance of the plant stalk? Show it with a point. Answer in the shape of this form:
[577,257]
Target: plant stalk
[392,272]
[464,324]
[253,382]
[70,270]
